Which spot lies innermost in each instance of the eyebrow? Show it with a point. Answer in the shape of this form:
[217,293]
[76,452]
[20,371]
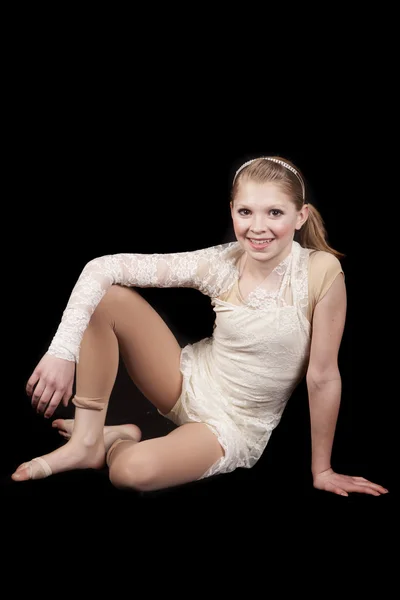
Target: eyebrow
[273,205]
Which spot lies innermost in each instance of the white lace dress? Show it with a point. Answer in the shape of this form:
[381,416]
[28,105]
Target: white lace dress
[237,381]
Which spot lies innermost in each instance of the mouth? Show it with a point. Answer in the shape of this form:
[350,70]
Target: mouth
[259,244]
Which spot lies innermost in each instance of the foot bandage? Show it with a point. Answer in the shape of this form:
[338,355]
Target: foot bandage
[43,471]
[90,403]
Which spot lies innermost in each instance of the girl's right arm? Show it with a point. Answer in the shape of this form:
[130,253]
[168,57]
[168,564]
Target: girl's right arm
[200,269]
[52,379]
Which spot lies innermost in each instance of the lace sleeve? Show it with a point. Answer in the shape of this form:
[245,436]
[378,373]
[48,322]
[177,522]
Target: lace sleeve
[204,269]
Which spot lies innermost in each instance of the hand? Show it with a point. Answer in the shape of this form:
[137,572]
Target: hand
[341,484]
[50,383]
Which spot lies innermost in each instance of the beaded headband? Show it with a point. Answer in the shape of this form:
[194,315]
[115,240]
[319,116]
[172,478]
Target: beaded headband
[275,160]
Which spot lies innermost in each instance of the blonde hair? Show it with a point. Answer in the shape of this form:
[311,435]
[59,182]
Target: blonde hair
[284,173]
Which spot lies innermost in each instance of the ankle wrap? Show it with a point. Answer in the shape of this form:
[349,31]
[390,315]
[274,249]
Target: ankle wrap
[90,403]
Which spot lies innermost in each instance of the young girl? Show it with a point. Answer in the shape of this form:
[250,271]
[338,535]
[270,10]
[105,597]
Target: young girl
[280,308]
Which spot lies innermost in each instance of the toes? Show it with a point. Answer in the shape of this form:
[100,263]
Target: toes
[23,473]
[37,468]
[23,466]
[65,425]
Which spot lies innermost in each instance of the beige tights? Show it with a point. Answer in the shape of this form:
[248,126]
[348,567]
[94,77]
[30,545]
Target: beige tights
[123,323]
[95,376]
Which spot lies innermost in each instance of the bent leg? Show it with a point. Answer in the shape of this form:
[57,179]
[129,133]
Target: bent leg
[123,321]
[148,347]
[182,456]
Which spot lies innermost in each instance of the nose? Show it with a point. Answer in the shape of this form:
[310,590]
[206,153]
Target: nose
[258,225]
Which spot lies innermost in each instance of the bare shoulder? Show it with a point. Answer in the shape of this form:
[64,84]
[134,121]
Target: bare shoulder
[321,261]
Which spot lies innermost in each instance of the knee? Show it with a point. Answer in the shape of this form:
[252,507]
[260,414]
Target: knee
[116,293]
[138,472]
[111,299]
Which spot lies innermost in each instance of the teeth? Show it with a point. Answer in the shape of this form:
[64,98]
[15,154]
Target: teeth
[260,241]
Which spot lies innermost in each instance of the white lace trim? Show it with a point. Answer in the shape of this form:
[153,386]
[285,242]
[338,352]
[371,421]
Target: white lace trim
[210,270]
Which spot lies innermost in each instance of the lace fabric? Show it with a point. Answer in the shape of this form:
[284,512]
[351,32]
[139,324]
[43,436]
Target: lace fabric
[239,380]
[207,270]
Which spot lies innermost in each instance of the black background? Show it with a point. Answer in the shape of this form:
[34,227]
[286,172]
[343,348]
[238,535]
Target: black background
[103,165]
[85,190]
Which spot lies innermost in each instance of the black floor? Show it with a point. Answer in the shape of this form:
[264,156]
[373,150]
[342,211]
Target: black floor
[276,491]
[74,519]
[280,479]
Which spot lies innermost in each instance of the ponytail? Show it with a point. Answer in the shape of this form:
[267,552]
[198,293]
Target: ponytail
[313,233]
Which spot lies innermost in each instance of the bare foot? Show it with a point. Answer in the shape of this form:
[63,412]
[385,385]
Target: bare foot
[111,432]
[68,457]
[75,455]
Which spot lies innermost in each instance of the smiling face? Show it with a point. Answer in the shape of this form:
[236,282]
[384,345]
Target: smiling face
[265,220]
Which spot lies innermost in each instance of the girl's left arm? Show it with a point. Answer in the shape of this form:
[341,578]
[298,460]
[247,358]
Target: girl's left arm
[324,386]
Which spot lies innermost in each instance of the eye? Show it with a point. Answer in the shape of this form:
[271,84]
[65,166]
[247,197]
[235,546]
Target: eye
[276,211]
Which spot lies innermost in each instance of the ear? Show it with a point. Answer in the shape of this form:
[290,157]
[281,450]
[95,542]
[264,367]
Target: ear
[302,216]
[231,205]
